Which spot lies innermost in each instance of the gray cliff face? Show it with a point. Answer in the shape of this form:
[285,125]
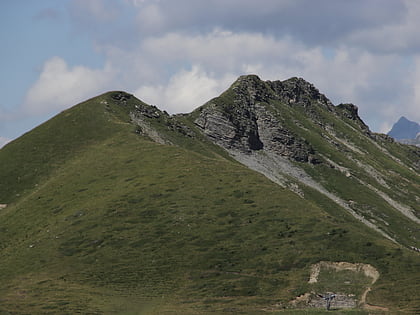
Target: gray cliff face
[280,140]
[248,123]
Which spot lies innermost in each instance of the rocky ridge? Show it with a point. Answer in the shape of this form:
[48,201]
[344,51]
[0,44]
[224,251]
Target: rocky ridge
[283,129]
[246,125]
[250,120]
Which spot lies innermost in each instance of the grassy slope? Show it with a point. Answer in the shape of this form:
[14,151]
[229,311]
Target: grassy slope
[118,223]
[34,156]
[367,202]
[312,124]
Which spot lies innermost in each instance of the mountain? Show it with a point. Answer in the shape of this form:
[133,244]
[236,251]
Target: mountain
[260,200]
[404,129]
[415,141]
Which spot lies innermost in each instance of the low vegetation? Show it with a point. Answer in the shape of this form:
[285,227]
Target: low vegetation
[101,219]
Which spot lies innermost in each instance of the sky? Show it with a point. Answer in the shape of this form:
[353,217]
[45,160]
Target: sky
[179,54]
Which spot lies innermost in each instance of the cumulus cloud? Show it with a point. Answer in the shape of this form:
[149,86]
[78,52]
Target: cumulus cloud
[412,108]
[60,86]
[150,18]
[373,82]
[185,91]
[179,54]
[155,71]
[312,22]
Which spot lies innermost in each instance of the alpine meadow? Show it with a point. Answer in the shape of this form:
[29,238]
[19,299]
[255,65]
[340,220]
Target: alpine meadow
[261,201]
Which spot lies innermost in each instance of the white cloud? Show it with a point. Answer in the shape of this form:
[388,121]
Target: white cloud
[60,86]
[155,70]
[373,82]
[413,106]
[399,36]
[222,51]
[385,127]
[178,54]
[185,91]
[312,22]
[150,18]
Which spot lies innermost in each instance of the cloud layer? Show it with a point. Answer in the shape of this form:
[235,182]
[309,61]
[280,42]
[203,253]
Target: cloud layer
[179,54]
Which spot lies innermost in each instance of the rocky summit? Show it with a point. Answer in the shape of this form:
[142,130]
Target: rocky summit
[267,198]
[406,131]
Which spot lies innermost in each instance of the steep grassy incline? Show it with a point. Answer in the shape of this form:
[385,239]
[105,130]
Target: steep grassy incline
[33,157]
[132,222]
[132,210]
[381,187]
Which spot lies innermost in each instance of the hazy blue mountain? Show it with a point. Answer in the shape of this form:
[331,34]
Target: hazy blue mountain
[404,129]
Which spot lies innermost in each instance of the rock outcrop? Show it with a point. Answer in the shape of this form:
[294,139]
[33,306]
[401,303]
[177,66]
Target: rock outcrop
[249,123]
[351,111]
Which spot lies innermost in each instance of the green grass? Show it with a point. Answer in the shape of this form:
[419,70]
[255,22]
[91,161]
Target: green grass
[103,220]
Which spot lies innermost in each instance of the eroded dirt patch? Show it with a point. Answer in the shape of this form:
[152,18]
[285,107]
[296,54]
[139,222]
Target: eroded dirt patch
[349,282]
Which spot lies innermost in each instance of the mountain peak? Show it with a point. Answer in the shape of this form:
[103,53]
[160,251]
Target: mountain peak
[404,129]
[293,91]
[251,116]
[298,81]
[248,81]
[248,78]
[297,91]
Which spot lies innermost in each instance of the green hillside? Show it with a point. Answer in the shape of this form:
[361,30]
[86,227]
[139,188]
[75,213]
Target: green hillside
[114,212]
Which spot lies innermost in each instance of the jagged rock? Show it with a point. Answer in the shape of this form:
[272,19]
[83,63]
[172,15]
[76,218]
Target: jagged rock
[251,89]
[149,111]
[279,139]
[297,91]
[217,126]
[175,125]
[231,130]
[246,123]
[144,114]
[121,96]
[383,137]
[350,111]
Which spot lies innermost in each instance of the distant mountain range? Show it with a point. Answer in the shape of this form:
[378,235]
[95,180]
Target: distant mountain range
[406,131]
[267,197]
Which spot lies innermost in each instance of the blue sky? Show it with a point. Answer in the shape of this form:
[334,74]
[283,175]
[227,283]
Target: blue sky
[178,54]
